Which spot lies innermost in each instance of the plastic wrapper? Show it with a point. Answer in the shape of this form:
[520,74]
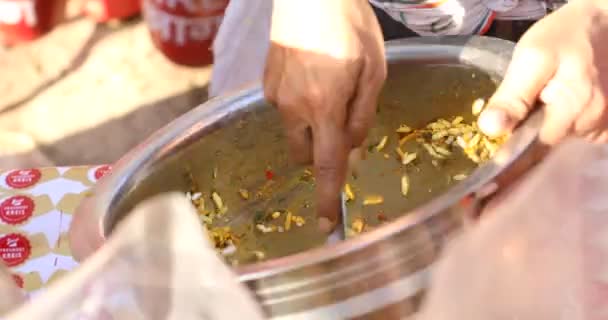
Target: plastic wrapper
[158,264]
[241,45]
[539,253]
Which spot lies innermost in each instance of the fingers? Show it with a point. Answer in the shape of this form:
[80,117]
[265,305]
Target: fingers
[528,73]
[365,102]
[600,136]
[297,130]
[571,104]
[299,139]
[330,158]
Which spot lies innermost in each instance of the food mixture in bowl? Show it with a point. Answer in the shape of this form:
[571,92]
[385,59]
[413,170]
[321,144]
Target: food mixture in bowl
[257,206]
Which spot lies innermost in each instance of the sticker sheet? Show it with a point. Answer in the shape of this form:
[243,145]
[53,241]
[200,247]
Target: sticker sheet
[36,208]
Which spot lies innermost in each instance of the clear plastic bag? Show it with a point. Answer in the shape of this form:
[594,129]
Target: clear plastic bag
[241,45]
[540,253]
[158,264]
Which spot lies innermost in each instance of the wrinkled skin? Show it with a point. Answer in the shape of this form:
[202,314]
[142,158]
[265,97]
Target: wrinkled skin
[324,71]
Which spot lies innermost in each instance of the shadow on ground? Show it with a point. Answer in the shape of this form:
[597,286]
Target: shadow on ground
[97,145]
[99,33]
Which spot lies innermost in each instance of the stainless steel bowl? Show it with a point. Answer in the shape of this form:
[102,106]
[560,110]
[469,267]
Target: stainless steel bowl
[380,274]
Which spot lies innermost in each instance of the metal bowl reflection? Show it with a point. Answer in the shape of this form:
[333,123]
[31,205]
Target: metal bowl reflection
[381,273]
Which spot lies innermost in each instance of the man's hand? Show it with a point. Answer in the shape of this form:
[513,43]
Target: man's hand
[324,71]
[562,61]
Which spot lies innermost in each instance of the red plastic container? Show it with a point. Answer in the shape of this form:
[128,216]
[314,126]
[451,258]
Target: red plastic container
[26,20]
[106,10]
[184,29]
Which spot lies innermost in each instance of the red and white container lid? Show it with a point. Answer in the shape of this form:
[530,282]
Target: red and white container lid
[184,30]
[26,20]
[106,10]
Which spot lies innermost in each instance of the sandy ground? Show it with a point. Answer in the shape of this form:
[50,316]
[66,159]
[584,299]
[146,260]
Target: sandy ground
[87,93]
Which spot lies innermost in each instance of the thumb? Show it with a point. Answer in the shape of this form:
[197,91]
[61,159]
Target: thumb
[527,75]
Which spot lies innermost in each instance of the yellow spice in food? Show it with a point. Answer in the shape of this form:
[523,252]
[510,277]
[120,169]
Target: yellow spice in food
[406,138]
[298,220]
[266,229]
[348,191]
[404,129]
[461,143]
[373,200]
[288,221]
[382,143]
[220,207]
[460,177]
[358,225]
[439,134]
[444,123]
[259,254]
[408,158]
[454,131]
[478,106]
[244,194]
[400,152]
[474,140]
[405,185]
[442,151]
[457,120]
[429,148]
[200,205]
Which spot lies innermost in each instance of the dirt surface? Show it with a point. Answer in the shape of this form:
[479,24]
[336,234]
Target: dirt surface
[86,93]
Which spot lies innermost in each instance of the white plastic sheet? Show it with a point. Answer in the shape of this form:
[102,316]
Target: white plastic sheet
[158,264]
[241,45]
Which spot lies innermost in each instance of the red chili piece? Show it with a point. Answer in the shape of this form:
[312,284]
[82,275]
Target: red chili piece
[269,175]
[381,217]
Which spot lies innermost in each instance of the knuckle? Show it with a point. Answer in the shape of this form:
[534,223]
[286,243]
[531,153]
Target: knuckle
[577,95]
[287,100]
[315,96]
[597,108]
[358,129]
[377,74]
[326,171]
[356,61]
[597,99]
[383,74]
[516,106]
[601,100]
[602,138]
[584,94]
[382,71]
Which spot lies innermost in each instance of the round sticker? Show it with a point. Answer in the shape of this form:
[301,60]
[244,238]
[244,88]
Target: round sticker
[20,179]
[101,172]
[14,249]
[18,280]
[17,209]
